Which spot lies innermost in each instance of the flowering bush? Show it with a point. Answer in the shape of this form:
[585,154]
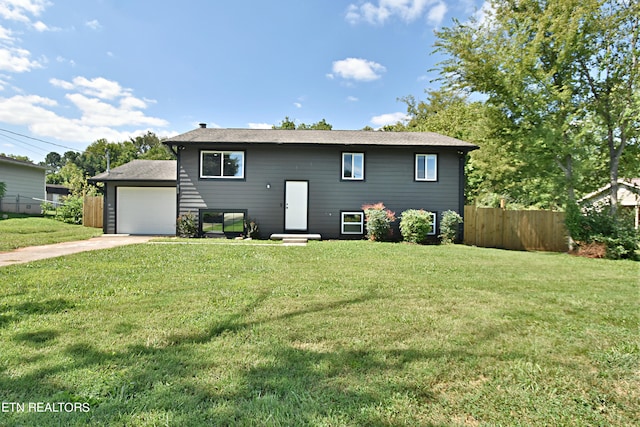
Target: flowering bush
[379,220]
[415,225]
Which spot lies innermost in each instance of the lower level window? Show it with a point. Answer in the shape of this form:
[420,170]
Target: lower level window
[352,222]
[219,222]
[433,224]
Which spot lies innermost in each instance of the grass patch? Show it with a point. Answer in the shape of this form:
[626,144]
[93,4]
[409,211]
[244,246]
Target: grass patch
[334,333]
[19,231]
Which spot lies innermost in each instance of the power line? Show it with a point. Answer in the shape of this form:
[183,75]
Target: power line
[41,140]
[7,137]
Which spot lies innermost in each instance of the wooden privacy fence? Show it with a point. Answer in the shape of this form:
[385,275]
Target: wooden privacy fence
[516,230]
[92,211]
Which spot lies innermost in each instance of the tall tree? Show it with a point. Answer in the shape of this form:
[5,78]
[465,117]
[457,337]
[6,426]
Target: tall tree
[150,147]
[533,59]
[289,124]
[53,161]
[609,68]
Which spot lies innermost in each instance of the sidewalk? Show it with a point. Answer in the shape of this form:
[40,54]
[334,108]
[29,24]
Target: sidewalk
[33,253]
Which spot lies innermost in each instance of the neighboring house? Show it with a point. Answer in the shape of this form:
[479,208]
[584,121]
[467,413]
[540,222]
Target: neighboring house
[628,196]
[140,197]
[25,186]
[56,192]
[312,181]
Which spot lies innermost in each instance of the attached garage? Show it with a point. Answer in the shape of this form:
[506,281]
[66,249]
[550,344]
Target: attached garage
[140,198]
[146,210]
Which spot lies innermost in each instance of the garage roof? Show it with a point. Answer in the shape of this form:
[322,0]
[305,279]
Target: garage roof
[140,170]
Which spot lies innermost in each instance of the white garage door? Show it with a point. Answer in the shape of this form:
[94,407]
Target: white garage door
[146,210]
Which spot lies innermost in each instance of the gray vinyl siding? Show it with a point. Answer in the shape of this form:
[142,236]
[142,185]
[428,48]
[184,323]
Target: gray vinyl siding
[389,178]
[110,200]
[25,188]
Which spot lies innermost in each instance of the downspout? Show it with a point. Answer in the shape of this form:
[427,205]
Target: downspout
[462,182]
[176,152]
[105,209]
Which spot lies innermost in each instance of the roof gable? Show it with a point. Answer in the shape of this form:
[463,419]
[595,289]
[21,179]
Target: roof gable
[628,193]
[319,137]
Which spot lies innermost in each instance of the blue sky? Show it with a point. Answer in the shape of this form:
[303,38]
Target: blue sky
[75,71]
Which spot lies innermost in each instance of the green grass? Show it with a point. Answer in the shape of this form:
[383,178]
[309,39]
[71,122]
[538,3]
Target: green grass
[331,334]
[19,231]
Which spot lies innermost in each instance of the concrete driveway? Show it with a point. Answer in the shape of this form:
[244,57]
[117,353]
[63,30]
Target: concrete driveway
[33,253]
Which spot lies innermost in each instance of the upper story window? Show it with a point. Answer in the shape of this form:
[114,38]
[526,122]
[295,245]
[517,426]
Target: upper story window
[353,166]
[426,167]
[222,164]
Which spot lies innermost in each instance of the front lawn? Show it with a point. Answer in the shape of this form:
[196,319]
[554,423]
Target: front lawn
[19,231]
[334,333]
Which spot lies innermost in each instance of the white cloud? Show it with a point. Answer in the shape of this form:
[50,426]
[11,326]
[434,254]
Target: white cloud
[406,10]
[17,10]
[357,69]
[98,87]
[62,60]
[93,24]
[98,113]
[260,126]
[389,119]
[352,99]
[16,60]
[40,26]
[61,83]
[297,105]
[106,110]
[436,14]
[6,34]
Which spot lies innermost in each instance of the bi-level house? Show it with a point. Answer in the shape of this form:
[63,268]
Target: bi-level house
[313,181]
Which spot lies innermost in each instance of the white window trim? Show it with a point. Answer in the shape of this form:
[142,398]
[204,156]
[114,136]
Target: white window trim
[222,153]
[434,225]
[425,167]
[361,223]
[352,167]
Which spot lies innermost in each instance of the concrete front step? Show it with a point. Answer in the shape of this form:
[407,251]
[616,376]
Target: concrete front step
[304,237]
[294,242]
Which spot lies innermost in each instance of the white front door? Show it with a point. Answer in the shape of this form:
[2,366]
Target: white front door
[296,205]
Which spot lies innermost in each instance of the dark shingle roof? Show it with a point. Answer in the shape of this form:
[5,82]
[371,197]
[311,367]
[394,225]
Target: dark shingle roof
[141,170]
[332,137]
[4,159]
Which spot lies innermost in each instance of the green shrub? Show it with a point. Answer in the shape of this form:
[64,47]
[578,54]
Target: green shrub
[3,188]
[449,226]
[253,231]
[48,209]
[187,226]
[71,210]
[379,220]
[623,242]
[415,225]
[592,224]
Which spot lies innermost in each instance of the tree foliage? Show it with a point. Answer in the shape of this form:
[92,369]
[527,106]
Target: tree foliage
[17,157]
[72,169]
[288,124]
[561,81]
